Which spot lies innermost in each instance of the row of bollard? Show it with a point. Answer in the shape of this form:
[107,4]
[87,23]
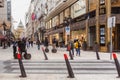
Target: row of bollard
[70,71]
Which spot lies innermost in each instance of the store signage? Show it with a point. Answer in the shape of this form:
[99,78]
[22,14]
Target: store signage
[79,8]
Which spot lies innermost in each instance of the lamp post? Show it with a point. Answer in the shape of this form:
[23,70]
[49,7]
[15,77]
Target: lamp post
[67,22]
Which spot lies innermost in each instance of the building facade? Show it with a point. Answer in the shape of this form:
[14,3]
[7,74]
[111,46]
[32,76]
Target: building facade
[1,3]
[20,31]
[35,20]
[5,20]
[86,20]
[89,22]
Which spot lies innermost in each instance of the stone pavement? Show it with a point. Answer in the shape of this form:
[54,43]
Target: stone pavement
[37,55]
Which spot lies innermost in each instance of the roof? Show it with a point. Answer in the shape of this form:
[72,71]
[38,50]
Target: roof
[20,25]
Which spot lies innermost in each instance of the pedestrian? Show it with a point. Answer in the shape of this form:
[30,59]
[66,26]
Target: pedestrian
[54,43]
[27,44]
[72,47]
[38,44]
[14,49]
[32,43]
[22,46]
[46,42]
[77,47]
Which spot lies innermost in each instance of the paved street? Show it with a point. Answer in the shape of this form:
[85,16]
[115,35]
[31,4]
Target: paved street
[85,67]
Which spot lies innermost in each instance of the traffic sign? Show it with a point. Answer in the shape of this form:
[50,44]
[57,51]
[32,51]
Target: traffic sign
[111,21]
[67,30]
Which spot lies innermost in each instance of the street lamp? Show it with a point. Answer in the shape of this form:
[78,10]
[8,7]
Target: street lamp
[67,22]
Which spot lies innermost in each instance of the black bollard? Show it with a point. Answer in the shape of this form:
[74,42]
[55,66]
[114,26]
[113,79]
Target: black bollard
[70,71]
[22,69]
[117,64]
[71,57]
[96,48]
[97,55]
[46,58]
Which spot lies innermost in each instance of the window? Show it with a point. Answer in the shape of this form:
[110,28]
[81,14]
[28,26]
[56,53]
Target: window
[115,10]
[102,35]
[92,14]
[102,2]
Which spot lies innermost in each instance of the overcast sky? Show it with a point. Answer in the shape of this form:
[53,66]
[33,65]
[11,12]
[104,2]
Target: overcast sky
[19,8]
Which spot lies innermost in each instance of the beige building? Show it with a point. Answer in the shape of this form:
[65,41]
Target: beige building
[20,31]
[35,26]
[1,3]
[85,20]
[89,22]
[5,20]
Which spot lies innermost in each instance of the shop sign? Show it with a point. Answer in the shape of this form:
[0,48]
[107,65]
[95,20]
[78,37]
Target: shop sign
[111,21]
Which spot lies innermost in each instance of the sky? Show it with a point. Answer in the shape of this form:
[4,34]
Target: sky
[19,8]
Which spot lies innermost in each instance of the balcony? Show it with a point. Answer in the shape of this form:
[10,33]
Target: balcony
[54,31]
[78,25]
[117,18]
[92,21]
[103,19]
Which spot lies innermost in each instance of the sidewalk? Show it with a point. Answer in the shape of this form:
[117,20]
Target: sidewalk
[85,55]
[37,55]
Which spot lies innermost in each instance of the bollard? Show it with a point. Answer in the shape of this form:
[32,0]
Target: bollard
[97,55]
[96,47]
[22,69]
[46,58]
[117,64]
[70,71]
[71,57]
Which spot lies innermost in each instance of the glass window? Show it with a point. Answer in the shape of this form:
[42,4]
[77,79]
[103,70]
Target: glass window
[50,23]
[78,8]
[61,18]
[57,20]
[67,12]
[53,22]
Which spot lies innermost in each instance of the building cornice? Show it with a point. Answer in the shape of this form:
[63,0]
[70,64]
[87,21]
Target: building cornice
[59,9]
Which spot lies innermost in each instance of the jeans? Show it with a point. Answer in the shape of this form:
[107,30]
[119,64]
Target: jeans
[38,47]
[78,51]
[72,51]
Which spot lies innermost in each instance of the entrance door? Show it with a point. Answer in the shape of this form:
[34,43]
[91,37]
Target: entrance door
[92,36]
[117,37]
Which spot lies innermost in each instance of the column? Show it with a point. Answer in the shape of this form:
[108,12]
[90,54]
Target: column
[97,22]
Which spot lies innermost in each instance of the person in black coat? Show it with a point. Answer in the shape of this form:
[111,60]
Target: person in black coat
[22,46]
[46,42]
[14,49]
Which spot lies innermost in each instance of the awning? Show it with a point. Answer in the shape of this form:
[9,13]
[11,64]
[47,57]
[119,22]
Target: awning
[55,31]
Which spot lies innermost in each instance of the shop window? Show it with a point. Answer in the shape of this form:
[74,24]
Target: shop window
[102,35]
[92,14]
[102,9]
[115,10]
